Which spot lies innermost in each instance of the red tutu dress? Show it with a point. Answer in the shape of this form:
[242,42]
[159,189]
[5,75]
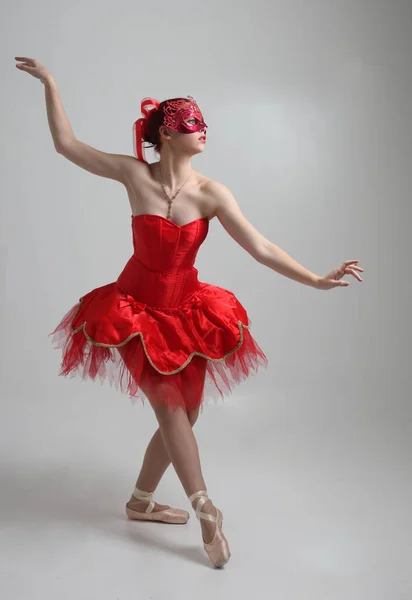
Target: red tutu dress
[158,332]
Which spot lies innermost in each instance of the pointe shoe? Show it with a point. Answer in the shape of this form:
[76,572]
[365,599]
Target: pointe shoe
[218,549]
[168,515]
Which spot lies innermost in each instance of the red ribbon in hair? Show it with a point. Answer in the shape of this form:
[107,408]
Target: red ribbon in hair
[140,126]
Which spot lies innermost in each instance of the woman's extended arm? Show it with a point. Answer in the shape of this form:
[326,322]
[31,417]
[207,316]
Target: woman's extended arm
[112,166]
[265,252]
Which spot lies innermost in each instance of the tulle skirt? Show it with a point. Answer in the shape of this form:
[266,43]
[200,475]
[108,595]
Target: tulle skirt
[182,357]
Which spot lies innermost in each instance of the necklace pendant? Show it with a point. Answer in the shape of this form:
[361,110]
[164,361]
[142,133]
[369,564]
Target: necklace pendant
[170,200]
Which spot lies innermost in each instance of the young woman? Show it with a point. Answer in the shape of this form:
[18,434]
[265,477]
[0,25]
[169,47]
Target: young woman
[158,332]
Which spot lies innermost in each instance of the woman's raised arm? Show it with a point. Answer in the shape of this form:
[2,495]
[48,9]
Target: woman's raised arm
[104,164]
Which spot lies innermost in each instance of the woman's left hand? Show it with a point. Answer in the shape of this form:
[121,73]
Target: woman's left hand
[333,279]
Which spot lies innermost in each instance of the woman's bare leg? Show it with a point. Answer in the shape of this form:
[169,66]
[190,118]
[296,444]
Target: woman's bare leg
[155,462]
[181,446]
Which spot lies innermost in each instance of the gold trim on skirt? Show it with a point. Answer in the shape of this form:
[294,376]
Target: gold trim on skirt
[102,345]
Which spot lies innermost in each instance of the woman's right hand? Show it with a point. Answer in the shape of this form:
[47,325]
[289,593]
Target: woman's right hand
[33,67]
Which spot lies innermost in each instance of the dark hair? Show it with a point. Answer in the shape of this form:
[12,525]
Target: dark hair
[154,122]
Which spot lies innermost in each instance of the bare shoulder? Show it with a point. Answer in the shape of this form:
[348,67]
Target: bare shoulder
[228,212]
[133,167]
[222,200]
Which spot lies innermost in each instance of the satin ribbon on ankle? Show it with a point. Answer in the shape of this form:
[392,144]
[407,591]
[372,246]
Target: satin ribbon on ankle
[141,495]
[203,497]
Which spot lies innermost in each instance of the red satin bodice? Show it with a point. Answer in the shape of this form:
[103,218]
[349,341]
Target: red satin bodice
[161,271]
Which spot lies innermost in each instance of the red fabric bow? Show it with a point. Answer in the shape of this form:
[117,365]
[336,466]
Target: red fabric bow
[130,301]
[193,303]
[140,126]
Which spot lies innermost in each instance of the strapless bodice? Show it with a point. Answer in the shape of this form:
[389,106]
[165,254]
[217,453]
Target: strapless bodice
[161,270]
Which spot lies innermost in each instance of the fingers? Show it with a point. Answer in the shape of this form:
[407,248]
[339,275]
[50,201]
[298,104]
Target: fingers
[26,68]
[25,59]
[349,262]
[352,272]
[339,282]
[352,269]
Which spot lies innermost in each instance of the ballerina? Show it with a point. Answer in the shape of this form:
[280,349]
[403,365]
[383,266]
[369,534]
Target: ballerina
[158,332]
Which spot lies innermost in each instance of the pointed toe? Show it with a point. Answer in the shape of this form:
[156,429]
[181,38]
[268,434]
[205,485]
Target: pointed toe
[218,548]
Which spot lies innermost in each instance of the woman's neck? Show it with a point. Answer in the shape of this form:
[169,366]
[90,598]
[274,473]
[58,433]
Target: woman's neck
[173,171]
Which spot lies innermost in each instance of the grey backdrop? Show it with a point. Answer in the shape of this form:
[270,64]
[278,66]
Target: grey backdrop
[309,113]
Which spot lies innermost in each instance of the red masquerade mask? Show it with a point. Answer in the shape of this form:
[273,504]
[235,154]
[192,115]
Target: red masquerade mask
[183,116]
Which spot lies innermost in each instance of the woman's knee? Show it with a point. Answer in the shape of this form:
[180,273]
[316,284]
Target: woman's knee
[166,414]
[192,415]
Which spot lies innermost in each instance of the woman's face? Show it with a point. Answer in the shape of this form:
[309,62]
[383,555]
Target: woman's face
[190,143]
[193,128]
[190,121]
[189,131]
[183,116]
